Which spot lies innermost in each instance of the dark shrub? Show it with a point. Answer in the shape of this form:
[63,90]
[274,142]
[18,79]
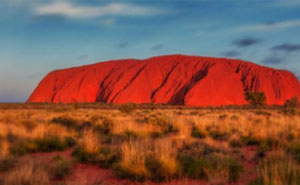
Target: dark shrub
[128,108]
[65,121]
[7,163]
[256,98]
[196,133]
[46,144]
[158,171]
[291,105]
[106,126]
[61,168]
[194,167]
[51,143]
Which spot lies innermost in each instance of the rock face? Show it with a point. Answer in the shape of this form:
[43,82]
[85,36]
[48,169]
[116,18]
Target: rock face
[174,79]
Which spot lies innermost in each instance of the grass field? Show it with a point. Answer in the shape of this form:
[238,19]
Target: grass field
[46,144]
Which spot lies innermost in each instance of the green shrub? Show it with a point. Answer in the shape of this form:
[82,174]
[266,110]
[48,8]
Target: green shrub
[46,144]
[52,143]
[194,167]
[159,171]
[256,98]
[196,133]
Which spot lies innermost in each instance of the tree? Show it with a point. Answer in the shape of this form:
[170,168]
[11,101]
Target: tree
[256,98]
[291,105]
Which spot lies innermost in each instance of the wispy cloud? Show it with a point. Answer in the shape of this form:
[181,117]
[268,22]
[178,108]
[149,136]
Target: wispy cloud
[81,11]
[273,26]
[246,42]
[158,47]
[280,53]
[122,45]
[287,3]
[230,53]
[287,47]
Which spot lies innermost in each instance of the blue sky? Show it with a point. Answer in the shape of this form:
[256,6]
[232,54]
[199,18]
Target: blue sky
[37,36]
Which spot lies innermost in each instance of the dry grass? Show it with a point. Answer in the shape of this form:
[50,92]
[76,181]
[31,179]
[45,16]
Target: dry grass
[147,144]
[27,173]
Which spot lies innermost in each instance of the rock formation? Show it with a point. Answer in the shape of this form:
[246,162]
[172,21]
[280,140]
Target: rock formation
[173,79]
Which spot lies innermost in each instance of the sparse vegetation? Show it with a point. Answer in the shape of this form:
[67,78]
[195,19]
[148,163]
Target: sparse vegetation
[256,98]
[212,145]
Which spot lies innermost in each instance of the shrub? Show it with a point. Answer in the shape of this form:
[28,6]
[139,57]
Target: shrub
[52,143]
[291,105]
[65,121]
[106,126]
[7,164]
[82,155]
[196,133]
[127,108]
[193,166]
[160,170]
[46,144]
[199,167]
[294,149]
[277,169]
[61,168]
[256,98]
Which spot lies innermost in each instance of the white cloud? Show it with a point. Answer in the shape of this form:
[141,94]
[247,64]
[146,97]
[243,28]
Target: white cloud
[287,3]
[272,26]
[80,11]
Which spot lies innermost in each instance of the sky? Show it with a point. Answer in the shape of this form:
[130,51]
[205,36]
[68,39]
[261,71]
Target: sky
[38,36]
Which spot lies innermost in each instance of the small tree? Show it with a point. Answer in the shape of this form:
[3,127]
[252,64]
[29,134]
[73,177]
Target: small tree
[291,105]
[256,98]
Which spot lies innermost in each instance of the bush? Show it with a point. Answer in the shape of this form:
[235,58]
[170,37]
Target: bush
[7,164]
[83,156]
[196,133]
[256,98]
[128,108]
[65,121]
[193,166]
[294,149]
[106,126]
[291,105]
[199,167]
[46,144]
[61,168]
[277,170]
[160,171]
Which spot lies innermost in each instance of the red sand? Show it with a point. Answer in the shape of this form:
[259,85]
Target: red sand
[174,79]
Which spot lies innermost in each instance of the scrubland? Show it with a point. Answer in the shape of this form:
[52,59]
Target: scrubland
[44,144]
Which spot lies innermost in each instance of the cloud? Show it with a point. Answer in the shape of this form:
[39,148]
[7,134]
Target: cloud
[80,11]
[246,42]
[271,26]
[82,57]
[286,47]
[287,3]
[275,58]
[158,47]
[280,53]
[230,54]
[298,77]
[122,45]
